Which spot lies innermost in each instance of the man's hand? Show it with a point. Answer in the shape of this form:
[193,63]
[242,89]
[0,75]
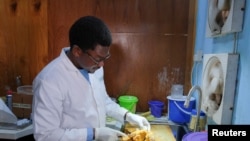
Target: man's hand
[138,120]
[107,134]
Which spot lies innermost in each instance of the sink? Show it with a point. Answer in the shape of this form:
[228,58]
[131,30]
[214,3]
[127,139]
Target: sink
[179,130]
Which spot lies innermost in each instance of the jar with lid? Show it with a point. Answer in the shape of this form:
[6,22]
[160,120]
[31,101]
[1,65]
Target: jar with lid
[202,121]
[177,91]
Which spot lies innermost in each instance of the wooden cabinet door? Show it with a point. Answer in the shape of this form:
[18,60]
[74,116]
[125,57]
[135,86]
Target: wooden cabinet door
[151,50]
[23,40]
[151,47]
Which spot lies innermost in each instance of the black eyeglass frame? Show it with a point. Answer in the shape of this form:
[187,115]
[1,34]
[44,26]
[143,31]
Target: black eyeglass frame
[97,62]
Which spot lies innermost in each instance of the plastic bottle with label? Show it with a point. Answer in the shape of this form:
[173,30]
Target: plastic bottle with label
[9,99]
[193,121]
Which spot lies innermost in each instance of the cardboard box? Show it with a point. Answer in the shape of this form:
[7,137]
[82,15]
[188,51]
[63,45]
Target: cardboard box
[22,105]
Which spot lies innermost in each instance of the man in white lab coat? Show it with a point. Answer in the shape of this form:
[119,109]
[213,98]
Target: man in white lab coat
[70,100]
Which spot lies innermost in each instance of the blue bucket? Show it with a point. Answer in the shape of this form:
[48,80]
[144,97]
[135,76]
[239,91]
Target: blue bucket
[156,108]
[176,110]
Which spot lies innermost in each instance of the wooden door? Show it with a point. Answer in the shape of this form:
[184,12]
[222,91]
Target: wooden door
[23,41]
[152,43]
[151,50]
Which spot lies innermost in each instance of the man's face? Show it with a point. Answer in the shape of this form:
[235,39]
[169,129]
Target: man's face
[91,60]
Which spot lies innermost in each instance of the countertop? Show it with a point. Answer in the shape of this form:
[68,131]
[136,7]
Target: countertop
[16,134]
[160,132]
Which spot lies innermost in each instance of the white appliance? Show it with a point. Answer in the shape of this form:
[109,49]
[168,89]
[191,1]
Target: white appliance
[224,16]
[218,86]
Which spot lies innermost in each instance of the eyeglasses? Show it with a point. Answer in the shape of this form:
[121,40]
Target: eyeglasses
[97,62]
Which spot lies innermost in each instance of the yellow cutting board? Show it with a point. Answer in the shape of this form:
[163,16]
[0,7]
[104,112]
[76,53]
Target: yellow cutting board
[160,132]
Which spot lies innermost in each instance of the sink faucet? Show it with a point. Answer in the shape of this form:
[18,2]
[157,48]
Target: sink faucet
[186,104]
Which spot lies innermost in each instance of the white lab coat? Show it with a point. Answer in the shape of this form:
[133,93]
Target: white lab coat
[65,104]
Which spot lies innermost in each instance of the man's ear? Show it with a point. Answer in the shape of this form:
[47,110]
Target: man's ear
[76,51]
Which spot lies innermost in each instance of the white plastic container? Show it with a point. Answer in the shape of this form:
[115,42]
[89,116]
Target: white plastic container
[26,89]
[177,91]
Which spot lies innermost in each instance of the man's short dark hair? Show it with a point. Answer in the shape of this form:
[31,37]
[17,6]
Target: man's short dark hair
[89,31]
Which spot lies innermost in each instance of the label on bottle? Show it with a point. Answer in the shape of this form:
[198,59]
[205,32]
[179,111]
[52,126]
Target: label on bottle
[9,101]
